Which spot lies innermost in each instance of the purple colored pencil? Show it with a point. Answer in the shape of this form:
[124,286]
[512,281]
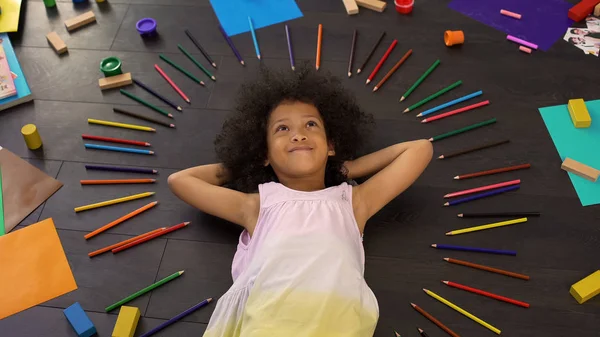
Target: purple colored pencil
[177,318]
[231,45]
[120,169]
[289,41]
[476,250]
[483,195]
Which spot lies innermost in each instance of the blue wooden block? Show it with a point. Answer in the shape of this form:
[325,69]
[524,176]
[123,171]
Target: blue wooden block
[80,321]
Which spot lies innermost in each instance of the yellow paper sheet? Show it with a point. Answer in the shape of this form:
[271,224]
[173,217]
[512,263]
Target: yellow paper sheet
[33,268]
[9,19]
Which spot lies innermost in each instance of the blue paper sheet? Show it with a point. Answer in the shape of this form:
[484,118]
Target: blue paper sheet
[233,14]
[578,144]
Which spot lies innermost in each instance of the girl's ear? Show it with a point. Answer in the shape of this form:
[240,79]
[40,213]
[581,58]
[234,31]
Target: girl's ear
[266,162]
[330,150]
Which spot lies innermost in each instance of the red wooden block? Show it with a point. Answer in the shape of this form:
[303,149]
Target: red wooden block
[582,9]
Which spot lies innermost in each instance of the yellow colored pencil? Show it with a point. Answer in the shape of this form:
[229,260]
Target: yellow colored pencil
[121,125]
[488,226]
[462,311]
[113,201]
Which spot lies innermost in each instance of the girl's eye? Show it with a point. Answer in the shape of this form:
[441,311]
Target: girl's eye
[282,128]
[311,123]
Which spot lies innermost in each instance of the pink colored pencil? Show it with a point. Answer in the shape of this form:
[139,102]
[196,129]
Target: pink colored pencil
[383,58]
[511,14]
[170,81]
[483,188]
[455,112]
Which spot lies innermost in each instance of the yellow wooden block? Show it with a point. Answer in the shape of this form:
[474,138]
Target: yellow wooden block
[586,288]
[597,10]
[56,42]
[79,21]
[126,322]
[375,5]
[351,7]
[115,81]
[579,113]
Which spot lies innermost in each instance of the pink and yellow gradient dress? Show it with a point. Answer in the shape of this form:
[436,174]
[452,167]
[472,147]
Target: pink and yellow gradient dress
[301,273]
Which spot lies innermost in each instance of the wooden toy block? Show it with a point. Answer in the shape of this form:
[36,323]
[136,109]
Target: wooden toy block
[580,169]
[126,322]
[582,9]
[351,7]
[586,288]
[597,10]
[80,322]
[56,42]
[579,113]
[115,81]
[375,5]
[80,21]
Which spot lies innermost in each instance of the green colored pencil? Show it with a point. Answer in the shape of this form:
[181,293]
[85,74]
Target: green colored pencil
[143,291]
[421,79]
[2,229]
[465,129]
[180,68]
[197,63]
[141,101]
[437,94]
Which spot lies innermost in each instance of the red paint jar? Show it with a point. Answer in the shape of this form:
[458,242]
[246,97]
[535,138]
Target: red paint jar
[404,6]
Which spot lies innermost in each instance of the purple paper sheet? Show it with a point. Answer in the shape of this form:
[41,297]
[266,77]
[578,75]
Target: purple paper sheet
[543,21]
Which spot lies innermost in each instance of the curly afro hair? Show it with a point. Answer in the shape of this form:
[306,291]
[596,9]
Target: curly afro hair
[241,145]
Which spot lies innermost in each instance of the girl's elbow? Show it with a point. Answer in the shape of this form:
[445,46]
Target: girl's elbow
[425,148]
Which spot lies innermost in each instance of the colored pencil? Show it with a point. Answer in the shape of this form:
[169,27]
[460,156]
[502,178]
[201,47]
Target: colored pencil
[486,294]
[455,112]
[254,40]
[371,53]
[120,169]
[177,318]
[113,201]
[493,171]
[319,43]
[143,291]
[108,248]
[181,69]
[204,70]
[143,102]
[462,311]
[475,250]
[434,320]
[488,226]
[422,332]
[142,117]
[170,81]
[482,195]
[289,44]
[451,103]
[433,96]
[114,140]
[157,95]
[497,214]
[421,79]
[351,59]
[393,70]
[462,130]
[483,188]
[473,149]
[149,237]
[117,149]
[197,44]
[232,46]
[382,61]
[116,181]
[121,125]
[397,334]
[486,268]
[120,220]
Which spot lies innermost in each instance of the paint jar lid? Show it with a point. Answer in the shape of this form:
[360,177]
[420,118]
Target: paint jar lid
[110,66]
[146,26]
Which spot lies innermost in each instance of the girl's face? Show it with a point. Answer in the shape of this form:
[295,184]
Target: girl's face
[578,40]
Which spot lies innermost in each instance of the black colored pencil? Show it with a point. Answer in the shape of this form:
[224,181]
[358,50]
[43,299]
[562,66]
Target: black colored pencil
[157,95]
[473,149]
[422,332]
[497,214]
[187,32]
[138,116]
[371,53]
[352,53]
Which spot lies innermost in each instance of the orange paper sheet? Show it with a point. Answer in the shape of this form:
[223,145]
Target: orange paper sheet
[33,268]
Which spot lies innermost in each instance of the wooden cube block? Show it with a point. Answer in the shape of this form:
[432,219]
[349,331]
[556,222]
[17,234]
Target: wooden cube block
[126,322]
[375,5]
[80,322]
[56,42]
[115,81]
[597,10]
[586,288]
[80,21]
[579,113]
[580,169]
[582,9]
[351,7]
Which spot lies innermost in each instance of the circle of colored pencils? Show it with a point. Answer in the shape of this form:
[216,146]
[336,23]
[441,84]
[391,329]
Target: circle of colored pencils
[393,70]
[473,149]
[488,226]
[120,220]
[120,125]
[143,291]
[462,311]
[474,250]
[455,112]
[434,320]
[173,85]
[289,44]
[117,149]
[113,201]
[371,53]
[462,130]
[150,237]
[177,318]
[232,46]
[117,181]
[382,61]
[422,332]
[433,96]
[108,248]
[204,70]
[493,171]
[142,117]
[351,59]
[157,95]
[486,294]
[421,79]
[254,40]
[482,195]
[181,69]
[115,140]
[483,188]
[143,102]
[197,44]
[121,169]
[486,268]
[497,214]
[452,102]
[319,42]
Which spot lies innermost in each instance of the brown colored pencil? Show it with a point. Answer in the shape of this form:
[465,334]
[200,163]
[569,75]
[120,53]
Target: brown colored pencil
[494,171]
[435,321]
[371,53]
[393,70]
[142,117]
[473,149]
[351,60]
[124,242]
[422,332]
[486,268]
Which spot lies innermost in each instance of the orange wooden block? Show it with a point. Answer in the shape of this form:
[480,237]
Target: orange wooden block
[56,42]
[580,169]
[80,21]
[375,5]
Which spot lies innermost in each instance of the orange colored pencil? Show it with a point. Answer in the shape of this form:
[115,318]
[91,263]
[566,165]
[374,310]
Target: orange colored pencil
[116,181]
[319,41]
[149,237]
[119,220]
[135,238]
[393,70]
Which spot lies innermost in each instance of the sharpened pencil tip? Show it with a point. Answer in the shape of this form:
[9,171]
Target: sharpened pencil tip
[424,121]
[446,259]
[188,100]
[213,78]
[367,81]
[402,98]
[420,115]
[243,63]
[397,334]
[317,67]
[154,171]
[151,152]
[258,56]
[349,74]
[425,290]
[445,282]
[446,204]
[441,157]
[420,330]
[434,245]
[187,223]
[449,234]
[209,300]
[358,71]
[460,215]
[181,272]
[430,139]
[456,178]
[406,110]
[202,83]
[152,193]
[179,108]
[214,64]
[172,125]
[375,89]
[293,68]
[170,115]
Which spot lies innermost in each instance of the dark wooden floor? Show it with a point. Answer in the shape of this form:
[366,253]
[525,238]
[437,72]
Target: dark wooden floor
[557,249]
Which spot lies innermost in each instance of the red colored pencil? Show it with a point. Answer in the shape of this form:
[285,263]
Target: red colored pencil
[455,112]
[149,237]
[385,56]
[494,171]
[483,188]
[166,77]
[115,140]
[108,248]
[485,293]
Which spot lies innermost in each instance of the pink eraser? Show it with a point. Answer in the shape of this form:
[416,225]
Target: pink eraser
[511,14]
[525,49]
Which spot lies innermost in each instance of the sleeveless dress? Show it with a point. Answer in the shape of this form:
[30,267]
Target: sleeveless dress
[301,273]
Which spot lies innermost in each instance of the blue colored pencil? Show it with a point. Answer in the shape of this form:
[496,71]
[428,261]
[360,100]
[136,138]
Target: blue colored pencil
[476,250]
[232,46]
[254,37]
[483,195]
[177,318]
[117,149]
[447,104]
[157,95]
[289,41]
[120,169]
